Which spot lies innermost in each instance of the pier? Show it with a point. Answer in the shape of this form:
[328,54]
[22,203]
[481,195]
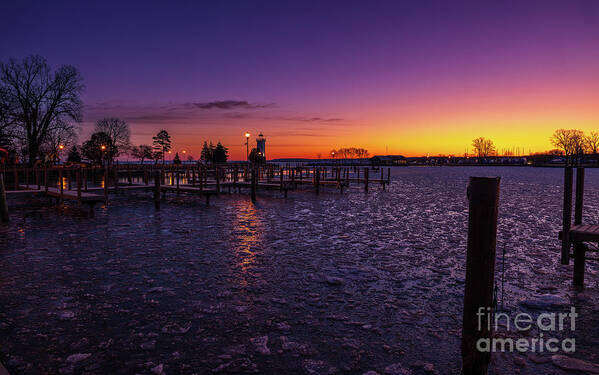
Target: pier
[579,237]
[88,186]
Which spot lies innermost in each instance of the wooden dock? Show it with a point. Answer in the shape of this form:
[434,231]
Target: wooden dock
[582,238]
[91,185]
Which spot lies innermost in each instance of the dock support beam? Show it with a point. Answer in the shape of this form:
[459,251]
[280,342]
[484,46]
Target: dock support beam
[3,204]
[254,178]
[567,215]
[157,179]
[579,261]
[483,196]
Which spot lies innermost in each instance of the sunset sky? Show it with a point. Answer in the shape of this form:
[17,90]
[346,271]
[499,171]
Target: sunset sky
[411,77]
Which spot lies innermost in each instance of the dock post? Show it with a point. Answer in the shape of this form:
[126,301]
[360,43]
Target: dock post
[16,181]
[177,177]
[217,176]
[193,176]
[567,215]
[69,179]
[46,178]
[78,176]
[61,184]
[365,179]
[85,179]
[106,185]
[317,180]
[483,197]
[116,179]
[281,179]
[254,178]
[3,204]
[388,176]
[579,262]
[37,178]
[157,179]
[578,201]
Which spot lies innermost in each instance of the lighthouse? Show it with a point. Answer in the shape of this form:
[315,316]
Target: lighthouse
[261,145]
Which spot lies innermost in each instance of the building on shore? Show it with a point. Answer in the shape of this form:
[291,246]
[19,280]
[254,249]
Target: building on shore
[388,160]
[261,145]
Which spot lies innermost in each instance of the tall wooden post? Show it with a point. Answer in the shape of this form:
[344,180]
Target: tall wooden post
[46,179]
[388,176]
[106,185]
[3,203]
[157,179]
[85,179]
[567,215]
[61,184]
[483,196]
[365,179]
[254,178]
[317,180]
[78,176]
[578,202]
[217,176]
[281,179]
[177,177]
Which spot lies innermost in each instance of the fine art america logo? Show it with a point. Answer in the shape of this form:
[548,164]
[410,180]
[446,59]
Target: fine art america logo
[547,323]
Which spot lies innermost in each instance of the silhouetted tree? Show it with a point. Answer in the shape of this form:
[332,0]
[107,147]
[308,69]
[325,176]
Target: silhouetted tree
[220,154]
[118,131]
[570,141]
[592,142]
[37,101]
[207,151]
[483,147]
[162,143]
[74,155]
[99,148]
[142,152]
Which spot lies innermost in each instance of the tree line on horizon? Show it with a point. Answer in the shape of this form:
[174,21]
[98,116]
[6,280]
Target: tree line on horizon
[40,113]
[573,144]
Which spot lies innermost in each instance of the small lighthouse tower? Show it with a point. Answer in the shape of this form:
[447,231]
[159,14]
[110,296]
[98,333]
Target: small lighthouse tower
[261,145]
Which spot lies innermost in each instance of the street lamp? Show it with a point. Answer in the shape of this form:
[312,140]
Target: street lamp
[247,146]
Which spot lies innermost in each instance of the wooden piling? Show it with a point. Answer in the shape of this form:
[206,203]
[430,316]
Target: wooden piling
[157,179]
[217,176]
[483,196]
[3,203]
[365,179]
[60,182]
[78,176]
[106,185]
[317,180]
[254,178]
[177,177]
[578,201]
[579,264]
[567,215]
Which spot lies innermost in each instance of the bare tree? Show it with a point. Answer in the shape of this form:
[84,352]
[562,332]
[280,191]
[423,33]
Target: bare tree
[483,147]
[142,152]
[61,136]
[570,141]
[592,142]
[35,98]
[118,131]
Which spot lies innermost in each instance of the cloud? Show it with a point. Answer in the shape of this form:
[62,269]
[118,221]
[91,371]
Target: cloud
[229,104]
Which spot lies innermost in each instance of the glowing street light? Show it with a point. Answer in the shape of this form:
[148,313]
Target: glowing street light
[60,147]
[103,147]
[247,146]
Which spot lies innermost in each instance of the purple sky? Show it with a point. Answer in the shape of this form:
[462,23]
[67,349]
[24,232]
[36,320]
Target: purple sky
[314,75]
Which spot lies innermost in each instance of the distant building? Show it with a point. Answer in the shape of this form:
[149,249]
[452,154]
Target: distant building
[261,145]
[388,160]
